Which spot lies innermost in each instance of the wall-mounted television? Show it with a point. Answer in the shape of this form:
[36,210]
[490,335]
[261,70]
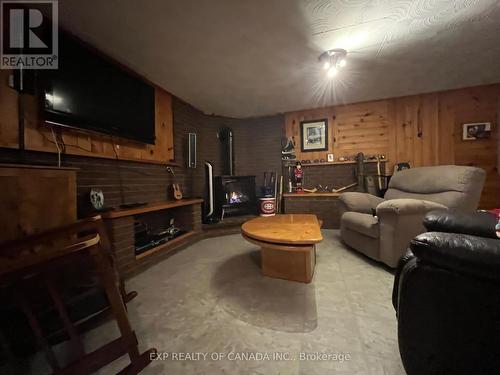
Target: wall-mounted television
[90,92]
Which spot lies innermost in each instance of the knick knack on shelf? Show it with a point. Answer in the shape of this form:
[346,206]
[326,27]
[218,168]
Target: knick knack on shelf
[299,174]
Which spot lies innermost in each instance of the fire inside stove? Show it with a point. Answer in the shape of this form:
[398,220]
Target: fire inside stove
[236,197]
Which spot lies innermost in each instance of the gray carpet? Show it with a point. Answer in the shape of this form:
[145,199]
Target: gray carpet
[211,298]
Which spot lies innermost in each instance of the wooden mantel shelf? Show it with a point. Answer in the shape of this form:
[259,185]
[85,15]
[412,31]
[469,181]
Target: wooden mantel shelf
[150,207]
[36,166]
[340,163]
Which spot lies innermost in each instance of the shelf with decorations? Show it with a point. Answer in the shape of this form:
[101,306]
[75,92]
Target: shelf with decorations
[293,162]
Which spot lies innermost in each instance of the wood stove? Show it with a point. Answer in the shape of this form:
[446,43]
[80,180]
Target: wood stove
[235,195]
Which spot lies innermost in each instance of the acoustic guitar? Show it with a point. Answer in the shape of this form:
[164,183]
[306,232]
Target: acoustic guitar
[176,188]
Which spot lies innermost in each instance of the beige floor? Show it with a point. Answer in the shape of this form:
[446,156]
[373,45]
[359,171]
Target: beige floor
[211,298]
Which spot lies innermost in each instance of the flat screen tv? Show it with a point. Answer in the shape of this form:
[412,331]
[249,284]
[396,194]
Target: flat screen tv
[90,92]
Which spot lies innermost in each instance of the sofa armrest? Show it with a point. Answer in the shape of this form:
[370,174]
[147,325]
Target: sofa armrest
[473,255]
[406,262]
[359,202]
[480,224]
[407,207]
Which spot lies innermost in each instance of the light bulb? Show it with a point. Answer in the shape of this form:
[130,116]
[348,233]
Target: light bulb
[332,72]
[326,65]
[342,63]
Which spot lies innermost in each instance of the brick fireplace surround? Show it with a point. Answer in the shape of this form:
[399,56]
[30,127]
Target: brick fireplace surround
[121,232]
[130,182]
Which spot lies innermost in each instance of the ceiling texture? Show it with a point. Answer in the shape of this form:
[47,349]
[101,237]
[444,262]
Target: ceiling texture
[245,58]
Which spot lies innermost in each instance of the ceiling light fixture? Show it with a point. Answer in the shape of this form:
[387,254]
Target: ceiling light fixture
[332,72]
[332,60]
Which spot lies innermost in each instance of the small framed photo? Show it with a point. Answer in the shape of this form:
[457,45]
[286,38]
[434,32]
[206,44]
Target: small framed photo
[330,157]
[476,130]
[314,135]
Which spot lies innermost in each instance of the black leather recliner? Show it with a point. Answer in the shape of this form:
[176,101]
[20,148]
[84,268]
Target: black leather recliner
[447,297]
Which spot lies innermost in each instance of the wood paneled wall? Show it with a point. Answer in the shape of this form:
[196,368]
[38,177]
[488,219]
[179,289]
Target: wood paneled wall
[9,115]
[362,127]
[422,129]
[475,104]
[39,137]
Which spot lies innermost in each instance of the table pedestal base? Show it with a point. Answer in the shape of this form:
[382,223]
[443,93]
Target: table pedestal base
[296,265]
[289,262]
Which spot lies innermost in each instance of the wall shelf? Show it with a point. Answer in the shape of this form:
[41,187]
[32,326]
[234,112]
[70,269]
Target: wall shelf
[304,165]
[150,207]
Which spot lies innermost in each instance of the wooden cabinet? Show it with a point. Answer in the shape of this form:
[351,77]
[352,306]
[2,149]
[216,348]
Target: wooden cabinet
[35,198]
[323,205]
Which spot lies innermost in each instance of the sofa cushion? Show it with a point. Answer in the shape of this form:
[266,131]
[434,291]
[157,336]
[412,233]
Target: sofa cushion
[366,224]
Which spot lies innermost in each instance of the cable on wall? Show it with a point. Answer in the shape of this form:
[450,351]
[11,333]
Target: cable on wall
[58,148]
[21,119]
[120,177]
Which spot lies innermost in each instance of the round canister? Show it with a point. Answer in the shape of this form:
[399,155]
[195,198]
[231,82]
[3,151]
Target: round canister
[267,206]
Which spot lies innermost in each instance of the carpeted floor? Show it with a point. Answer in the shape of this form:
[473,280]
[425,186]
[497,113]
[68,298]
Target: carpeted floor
[211,298]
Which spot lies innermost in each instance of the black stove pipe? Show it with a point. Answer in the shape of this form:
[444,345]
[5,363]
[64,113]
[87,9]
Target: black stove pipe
[225,136]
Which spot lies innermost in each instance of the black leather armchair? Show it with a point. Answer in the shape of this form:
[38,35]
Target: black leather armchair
[447,297]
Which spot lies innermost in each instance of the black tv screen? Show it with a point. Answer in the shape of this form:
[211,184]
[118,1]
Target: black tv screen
[89,92]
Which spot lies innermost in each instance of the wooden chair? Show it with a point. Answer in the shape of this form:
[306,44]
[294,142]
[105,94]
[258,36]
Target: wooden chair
[34,263]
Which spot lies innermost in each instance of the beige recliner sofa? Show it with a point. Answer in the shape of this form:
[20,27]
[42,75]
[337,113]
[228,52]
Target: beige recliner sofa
[382,228]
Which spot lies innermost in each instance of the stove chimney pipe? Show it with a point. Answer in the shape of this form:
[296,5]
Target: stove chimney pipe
[225,136]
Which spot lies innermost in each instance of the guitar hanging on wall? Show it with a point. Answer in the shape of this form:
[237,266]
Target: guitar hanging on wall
[177,191]
[176,187]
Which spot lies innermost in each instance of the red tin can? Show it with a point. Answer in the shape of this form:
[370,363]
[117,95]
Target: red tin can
[267,206]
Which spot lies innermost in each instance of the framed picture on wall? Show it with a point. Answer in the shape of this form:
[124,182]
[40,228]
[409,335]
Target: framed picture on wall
[476,130]
[314,135]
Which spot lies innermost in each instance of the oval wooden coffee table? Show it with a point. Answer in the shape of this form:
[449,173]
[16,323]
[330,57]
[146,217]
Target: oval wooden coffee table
[288,244]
